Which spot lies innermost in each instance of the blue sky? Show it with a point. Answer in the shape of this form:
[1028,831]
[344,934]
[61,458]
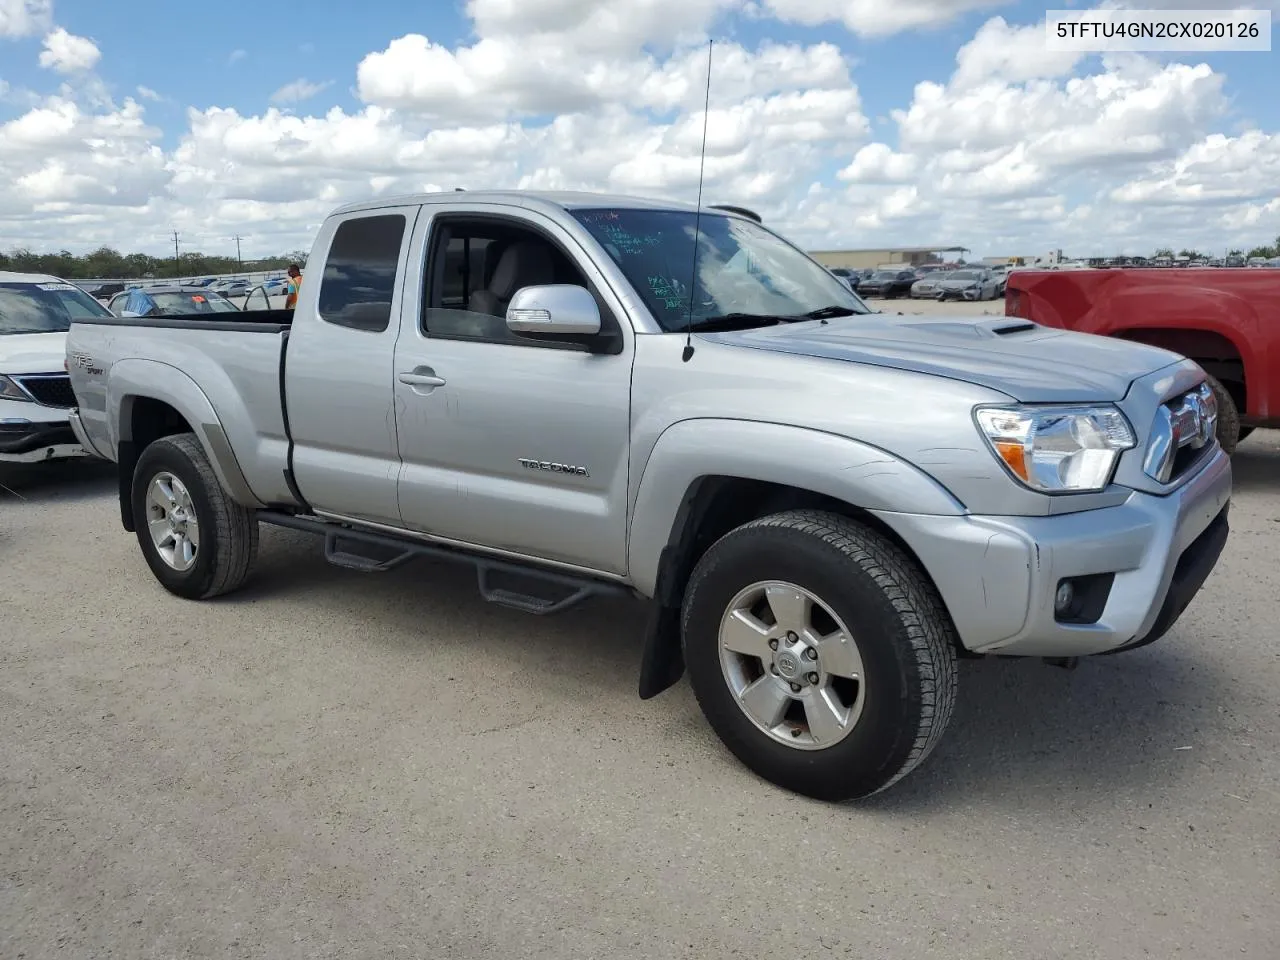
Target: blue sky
[953,176]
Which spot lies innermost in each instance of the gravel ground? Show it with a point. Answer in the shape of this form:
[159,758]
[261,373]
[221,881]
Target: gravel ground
[953,307]
[331,764]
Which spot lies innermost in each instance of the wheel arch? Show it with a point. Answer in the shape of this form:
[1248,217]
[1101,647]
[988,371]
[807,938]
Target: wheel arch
[683,506]
[1211,346]
[153,400]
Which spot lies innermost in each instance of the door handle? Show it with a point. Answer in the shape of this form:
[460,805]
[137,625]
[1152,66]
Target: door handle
[415,379]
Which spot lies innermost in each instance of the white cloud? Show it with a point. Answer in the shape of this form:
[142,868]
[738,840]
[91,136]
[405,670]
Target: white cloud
[148,94]
[592,27]
[503,77]
[1214,172]
[1013,54]
[299,90]
[67,53]
[878,163]
[877,18]
[25,18]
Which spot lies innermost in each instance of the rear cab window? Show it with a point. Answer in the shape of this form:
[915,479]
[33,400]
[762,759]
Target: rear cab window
[359,281]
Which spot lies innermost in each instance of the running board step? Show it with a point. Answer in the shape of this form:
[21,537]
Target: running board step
[522,590]
[360,555]
[530,589]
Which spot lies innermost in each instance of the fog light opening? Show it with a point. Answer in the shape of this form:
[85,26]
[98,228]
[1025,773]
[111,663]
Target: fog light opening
[1081,600]
[1063,599]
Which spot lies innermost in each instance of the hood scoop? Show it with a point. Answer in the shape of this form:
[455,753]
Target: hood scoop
[1017,326]
[980,330]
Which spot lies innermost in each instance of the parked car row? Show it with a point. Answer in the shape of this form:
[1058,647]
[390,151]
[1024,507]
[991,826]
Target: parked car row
[233,288]
[928,281]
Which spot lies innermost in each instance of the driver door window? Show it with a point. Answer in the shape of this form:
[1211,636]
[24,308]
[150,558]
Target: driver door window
[477,265]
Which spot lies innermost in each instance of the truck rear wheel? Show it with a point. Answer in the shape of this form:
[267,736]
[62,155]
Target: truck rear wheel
[198,542]
[1229,434]
[819,653]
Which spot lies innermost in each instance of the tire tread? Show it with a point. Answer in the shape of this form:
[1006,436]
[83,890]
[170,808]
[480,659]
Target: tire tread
[235,533]
[925,621]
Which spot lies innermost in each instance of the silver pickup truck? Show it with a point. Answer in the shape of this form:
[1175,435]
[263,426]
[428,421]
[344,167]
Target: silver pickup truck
[579,394]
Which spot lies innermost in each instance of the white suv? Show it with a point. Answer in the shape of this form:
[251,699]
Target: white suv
[35,391]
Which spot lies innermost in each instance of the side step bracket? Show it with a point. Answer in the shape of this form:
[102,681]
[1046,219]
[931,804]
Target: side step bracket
[528,588]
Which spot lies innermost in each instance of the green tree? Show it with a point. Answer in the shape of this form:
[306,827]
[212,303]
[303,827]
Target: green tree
[109,263]
[1164,252]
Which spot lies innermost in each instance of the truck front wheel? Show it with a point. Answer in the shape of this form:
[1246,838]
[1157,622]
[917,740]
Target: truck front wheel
[198,542]
[1229,430]
[820,654]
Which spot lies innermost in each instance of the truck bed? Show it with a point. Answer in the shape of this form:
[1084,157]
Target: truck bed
[237,362]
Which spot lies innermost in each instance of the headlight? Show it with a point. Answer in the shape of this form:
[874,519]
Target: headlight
[1058,449]
[11,391]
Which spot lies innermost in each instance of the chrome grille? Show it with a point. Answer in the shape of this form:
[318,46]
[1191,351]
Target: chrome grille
[1182,433]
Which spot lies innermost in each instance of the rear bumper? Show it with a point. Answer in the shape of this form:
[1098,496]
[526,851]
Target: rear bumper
[1139,564]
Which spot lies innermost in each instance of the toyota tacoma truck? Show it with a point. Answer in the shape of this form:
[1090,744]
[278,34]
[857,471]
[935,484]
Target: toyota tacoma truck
[581,395]
[1224,319]
[35,392]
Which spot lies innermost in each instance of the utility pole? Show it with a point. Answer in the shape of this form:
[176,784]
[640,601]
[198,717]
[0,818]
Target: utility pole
[177,260]
[239,261]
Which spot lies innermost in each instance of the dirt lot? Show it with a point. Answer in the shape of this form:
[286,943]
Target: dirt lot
[336,765]
[953,307]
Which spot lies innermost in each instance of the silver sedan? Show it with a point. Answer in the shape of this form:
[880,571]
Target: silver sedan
[969,285]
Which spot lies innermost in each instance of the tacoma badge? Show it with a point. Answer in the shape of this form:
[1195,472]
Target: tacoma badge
[553,467]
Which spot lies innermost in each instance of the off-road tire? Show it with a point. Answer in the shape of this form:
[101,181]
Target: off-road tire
[1229,431]
[903,632]
[228,531]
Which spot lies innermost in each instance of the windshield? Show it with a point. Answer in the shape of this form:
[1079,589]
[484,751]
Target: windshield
[186,303]
[743,268]
[44,307]
[885,275]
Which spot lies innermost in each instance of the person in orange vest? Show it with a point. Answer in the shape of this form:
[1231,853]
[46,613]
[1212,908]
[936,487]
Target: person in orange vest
[295,284]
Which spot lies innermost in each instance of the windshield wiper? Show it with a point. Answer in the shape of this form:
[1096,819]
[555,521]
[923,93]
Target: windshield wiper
[749,321]
[827,313]
[740,321]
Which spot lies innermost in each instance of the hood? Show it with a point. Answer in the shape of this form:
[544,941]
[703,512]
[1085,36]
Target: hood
[1028,362]
[33,353]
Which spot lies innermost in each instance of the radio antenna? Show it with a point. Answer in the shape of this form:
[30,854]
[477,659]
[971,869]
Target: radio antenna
[697,218]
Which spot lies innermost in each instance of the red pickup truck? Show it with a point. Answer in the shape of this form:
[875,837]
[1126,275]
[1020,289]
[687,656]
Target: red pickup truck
[1227,320]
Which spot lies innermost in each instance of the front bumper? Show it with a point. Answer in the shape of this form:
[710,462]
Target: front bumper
[31,433]
[1148,556]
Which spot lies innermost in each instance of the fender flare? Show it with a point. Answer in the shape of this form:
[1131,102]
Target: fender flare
[688,452]
[136,378]
[849,470]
